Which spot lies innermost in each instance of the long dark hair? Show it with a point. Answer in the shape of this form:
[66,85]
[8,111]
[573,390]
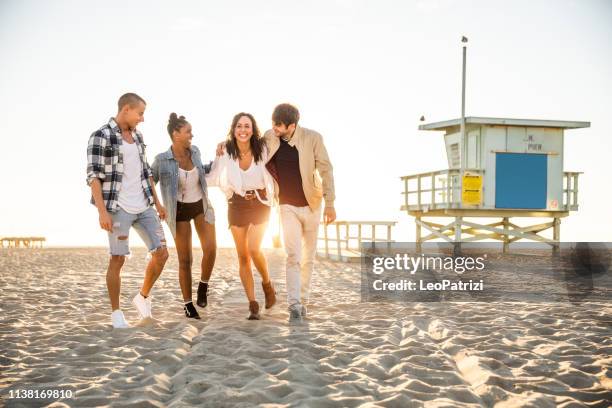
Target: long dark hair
[257,142]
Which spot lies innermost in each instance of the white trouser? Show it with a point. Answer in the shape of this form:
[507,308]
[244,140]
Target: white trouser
[300,230]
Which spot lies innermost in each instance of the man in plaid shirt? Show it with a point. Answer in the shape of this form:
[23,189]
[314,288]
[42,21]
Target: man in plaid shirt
[122,190]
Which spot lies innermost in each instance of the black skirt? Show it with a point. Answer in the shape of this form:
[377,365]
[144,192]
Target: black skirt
[242,212]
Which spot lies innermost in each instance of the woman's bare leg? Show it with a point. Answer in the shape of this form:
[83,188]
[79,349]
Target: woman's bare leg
[254,238]
[208,242]
[185,257]
[244,260]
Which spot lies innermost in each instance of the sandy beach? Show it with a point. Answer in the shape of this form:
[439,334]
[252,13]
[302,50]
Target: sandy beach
[55,333]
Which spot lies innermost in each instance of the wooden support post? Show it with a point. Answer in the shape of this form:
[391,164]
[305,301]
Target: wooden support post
[359,236]
[346,246]
[373,236]
[326,241]
[457,248]
[433,191]
[419,192]
[418,234]
[575,201]
[506,225]
[419,238]
[568,186]
[338,243]
[556,234]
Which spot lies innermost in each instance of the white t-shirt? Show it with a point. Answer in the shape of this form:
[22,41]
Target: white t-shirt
[253,177]
[131,196]
[190,189]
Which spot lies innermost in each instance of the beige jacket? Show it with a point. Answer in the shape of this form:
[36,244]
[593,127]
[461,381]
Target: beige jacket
[315,167]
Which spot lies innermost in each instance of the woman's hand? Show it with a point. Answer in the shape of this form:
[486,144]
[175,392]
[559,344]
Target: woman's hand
[220,149]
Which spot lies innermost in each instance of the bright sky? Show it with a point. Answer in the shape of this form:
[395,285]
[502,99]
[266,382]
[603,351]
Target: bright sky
[361,72]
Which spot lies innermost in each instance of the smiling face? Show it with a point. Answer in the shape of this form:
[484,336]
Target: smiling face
[133,114]
[182,136]
[243,129]
[282,130]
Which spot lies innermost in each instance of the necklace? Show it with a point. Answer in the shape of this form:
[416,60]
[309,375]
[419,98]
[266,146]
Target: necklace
[244,154]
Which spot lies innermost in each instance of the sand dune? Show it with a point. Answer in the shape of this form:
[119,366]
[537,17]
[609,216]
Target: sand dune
[55,334]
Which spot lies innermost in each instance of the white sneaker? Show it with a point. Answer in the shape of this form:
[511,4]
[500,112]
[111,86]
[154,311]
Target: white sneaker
[142,305]
[295,313]
[149,306]
[118,320]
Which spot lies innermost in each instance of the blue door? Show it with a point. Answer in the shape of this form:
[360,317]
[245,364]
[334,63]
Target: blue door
[520,180]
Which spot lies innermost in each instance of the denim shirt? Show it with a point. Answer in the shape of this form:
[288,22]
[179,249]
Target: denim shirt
[165,169]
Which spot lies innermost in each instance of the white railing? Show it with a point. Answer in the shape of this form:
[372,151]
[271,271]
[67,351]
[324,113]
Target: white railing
[433,190]
[347,236]
[570,190]
[442,190]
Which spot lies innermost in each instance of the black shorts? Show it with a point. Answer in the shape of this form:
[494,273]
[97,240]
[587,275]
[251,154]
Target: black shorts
[242,212]
[188,211]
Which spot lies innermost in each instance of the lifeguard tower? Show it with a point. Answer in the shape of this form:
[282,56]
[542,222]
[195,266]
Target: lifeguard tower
[512,168]
[497,168]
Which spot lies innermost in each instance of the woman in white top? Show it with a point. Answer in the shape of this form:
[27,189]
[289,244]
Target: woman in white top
[242,175]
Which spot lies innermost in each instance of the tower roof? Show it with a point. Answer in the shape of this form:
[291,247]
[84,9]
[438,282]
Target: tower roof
[559,124]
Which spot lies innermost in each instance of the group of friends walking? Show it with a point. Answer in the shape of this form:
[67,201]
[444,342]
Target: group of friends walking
[287,166]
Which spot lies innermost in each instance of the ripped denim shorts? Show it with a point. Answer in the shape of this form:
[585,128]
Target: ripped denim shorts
[147,224]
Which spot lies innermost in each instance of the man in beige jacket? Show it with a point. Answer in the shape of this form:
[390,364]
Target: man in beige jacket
[301,168]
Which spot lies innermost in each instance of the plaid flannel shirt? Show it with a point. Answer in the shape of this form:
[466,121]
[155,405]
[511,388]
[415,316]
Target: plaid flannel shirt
[105,162]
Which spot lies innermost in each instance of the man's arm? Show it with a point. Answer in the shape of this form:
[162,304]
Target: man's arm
[326,170]
[105,219]
[150,175]
[95,176]
[95,157]
[161,210]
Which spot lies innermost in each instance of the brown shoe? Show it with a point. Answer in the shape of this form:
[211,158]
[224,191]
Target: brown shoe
[269,293]
[253,310]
